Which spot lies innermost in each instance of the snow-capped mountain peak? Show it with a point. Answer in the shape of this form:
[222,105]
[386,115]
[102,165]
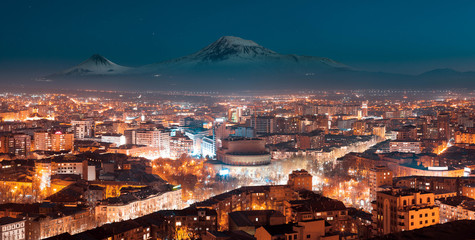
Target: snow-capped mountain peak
[95,65]
[236,41]
[97,59]
[230,47]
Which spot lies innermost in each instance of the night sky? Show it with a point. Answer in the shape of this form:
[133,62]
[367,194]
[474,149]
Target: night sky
[394,36]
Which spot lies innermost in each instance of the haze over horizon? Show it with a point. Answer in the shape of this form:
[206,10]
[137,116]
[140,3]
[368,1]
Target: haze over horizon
[400,37]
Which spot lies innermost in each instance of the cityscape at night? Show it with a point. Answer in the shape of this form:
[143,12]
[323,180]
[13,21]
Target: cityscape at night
[306,120]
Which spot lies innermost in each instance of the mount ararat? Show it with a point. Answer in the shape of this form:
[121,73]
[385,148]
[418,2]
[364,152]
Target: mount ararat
[236,63]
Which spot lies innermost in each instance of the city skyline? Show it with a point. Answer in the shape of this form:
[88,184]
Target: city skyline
[249,120]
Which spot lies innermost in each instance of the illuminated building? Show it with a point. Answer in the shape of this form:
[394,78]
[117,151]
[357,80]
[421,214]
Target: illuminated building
[338,109]
[188,223]
[155,138]
[116,139]
[20,145]
[83,129]
[4,144]
[311,140]
[234,114]
[430,131]
[111,127]
[243,152]
[403,210]
[16,144]
[208,147]
[311,206]
[380,176]
[380,131]
[75,221]
[406,133]
[405,146]
[364,108]
[263,124]
[270,197]
[246,132]
[149,138]
[136,151]
[56,142]
[12,228]
[180,145]
[35,116]
[300,179]
[468,190]
[467,137]
[345,124]
[196,135]
[443,125]
[401,170]
[136,204]
[437,184]
[456,208]
[14,116]
[44,220]
[76,167]
[359,128]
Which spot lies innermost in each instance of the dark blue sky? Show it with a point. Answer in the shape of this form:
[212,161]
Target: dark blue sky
[395,36]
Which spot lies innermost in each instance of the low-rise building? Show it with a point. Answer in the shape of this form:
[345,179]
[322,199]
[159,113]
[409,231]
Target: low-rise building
[456,208]
[405,146]
[12,228]
[136,204]
[300,179]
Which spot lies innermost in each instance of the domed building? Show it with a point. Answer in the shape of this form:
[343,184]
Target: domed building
[241,151]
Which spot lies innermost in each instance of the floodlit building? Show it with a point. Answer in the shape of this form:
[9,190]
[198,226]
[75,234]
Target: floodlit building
[405,146]
[12,228]
[57,141]
[243,152]
[404,209]
[300,179]
[380,177]
[456,208]
[83,129]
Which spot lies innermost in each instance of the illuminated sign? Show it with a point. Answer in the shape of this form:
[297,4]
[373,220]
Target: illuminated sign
[224,172]
[438,168]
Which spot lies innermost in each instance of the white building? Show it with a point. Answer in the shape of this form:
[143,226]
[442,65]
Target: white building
[83,129]
[135,205]
[12,229]
[116,139]
[405,146]
[208,147]
[156,138]
[74,167]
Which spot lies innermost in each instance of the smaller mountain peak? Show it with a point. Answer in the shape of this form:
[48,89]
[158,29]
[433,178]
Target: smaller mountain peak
[99,59]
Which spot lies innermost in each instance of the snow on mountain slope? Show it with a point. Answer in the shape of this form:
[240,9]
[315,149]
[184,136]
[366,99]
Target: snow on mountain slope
[95,65]
[235,52]
[227,56]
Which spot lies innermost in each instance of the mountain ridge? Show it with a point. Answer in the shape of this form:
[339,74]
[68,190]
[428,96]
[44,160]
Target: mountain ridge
[233,61]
